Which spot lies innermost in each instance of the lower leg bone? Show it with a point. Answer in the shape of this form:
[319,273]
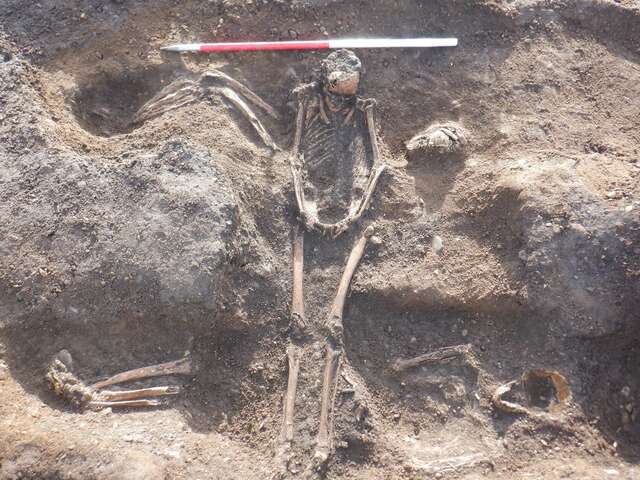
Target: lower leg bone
[330,377]
[177,367]
[286,435]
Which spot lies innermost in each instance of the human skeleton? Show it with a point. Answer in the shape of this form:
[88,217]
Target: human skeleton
[335,165]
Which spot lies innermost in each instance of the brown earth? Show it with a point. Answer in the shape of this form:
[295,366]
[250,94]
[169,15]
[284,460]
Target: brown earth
[132,244]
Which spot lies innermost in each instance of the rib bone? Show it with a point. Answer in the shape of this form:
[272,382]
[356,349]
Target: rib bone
[439,355]
[177,367]
[286,434]
[334,322]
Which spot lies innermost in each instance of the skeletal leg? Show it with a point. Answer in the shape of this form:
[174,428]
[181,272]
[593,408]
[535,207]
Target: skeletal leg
[115,395]
[286,434]
[177,367]
[334,350]
[334,322]
[439,355]
[329,381]
[293,352]
[234,98]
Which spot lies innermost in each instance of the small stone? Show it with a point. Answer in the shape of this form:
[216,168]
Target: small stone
[437,243]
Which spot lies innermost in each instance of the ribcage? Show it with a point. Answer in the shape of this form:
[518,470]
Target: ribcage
[335,161]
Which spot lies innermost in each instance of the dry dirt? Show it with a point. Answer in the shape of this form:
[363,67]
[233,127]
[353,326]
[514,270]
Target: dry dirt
[134,244]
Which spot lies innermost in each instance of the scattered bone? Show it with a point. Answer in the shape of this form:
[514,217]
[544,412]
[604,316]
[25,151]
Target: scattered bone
[438,139]
[444,354]
[503,404]
[184,92]
[119,395]
[64,383]
[561,392]
[177,367]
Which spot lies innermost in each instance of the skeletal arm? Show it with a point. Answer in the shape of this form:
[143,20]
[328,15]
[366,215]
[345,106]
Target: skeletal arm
[217,75]
[295,160]
[367,106]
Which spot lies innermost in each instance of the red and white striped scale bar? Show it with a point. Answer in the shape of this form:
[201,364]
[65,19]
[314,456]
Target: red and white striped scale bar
[315,44]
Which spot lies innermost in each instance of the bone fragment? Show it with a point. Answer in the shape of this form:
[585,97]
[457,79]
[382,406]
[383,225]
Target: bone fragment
[562,392]
[440,355]
[98,405]
[329,381]
[505,405]
[115,395]
[177,367]
[286,434]
[234,98]
[334,322]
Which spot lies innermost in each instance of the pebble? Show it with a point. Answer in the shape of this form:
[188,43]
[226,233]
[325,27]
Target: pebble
[437,244]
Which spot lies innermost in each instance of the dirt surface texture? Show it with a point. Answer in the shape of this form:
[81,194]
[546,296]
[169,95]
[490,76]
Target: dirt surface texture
[131,240]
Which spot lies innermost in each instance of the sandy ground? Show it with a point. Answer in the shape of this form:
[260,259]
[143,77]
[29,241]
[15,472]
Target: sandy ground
[130,244]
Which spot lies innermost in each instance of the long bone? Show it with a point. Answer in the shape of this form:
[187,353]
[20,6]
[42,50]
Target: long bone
[298,322]
[334,352]
[297,302]
[310,219]
[327,398]
[288,406]
[440,355]
[234,98]
[334,320]
[177,367]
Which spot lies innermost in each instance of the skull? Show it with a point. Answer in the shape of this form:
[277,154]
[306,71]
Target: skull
[340,73]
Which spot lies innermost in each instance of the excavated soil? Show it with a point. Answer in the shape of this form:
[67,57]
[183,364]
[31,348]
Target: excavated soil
[133,243]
